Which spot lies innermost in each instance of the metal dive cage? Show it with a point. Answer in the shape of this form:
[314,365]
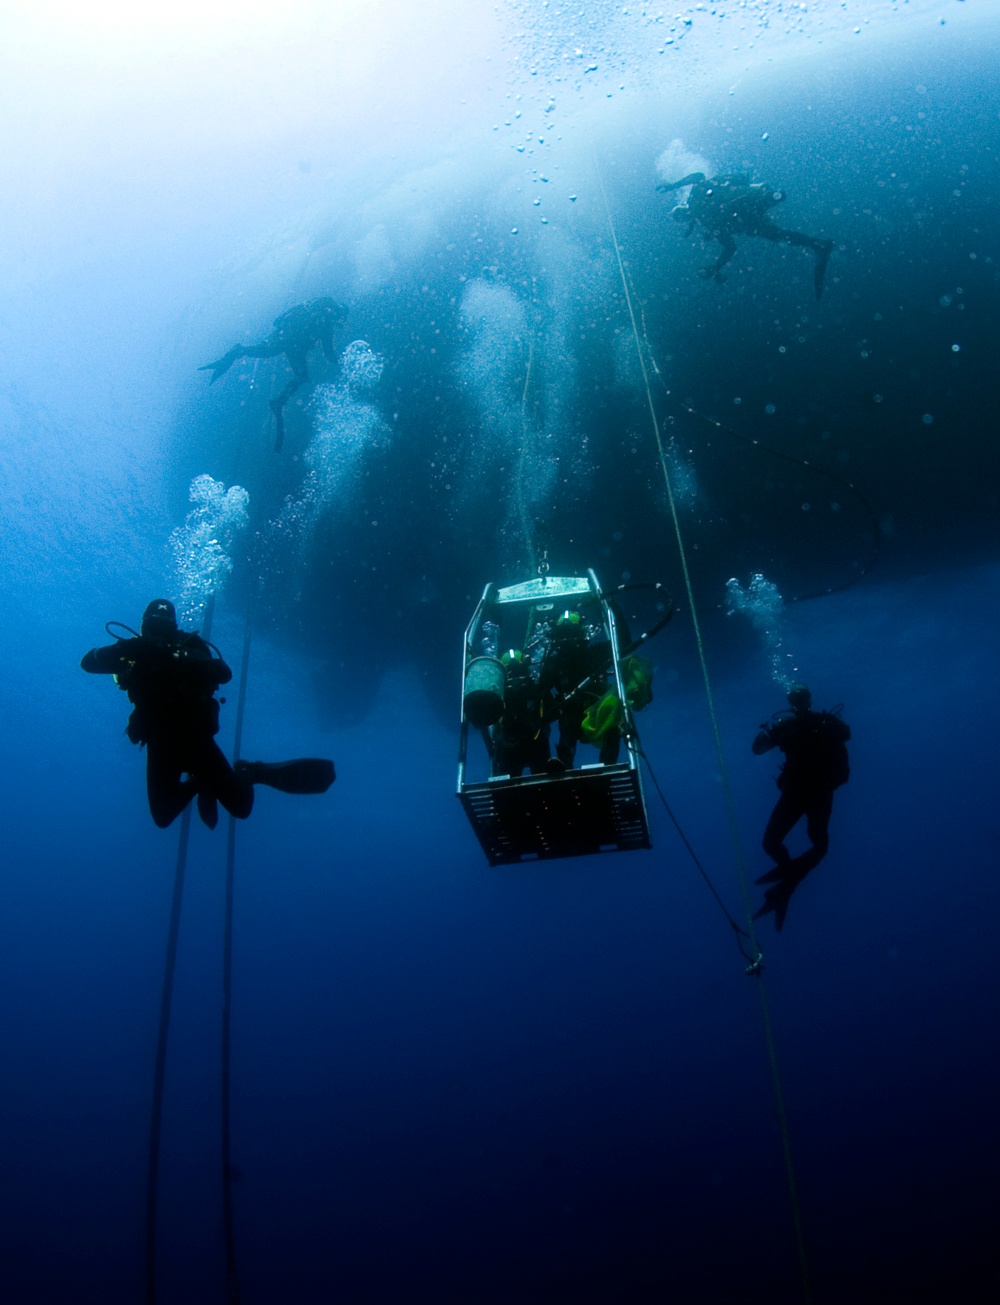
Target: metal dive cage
[591,808]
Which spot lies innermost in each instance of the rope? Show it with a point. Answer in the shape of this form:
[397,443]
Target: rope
[753,961]
[521,509]
[232,1278]
[159,1073]
[225,1091]
[166,1001]
[170,964]
[723,770]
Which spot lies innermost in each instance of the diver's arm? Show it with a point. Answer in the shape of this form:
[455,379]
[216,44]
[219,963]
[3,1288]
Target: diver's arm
[326,341]
[105,661]
[211,671]
[691,179]
[221,673]
[763,742]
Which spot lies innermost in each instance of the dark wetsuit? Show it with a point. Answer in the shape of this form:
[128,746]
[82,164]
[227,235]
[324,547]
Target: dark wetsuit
[732,205]
[816,764]
[171,683]
[568,663]
[520,739]
[294,334]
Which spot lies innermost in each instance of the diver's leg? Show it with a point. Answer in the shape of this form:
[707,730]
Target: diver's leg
[768,230]
[167,793]
[821,248]
[223,364]
[711,272]
[818,811]
[610,748]
[539,754]
[300,369]
[570,723]
[269,349]
[215,776]
[503,761]
[786,814]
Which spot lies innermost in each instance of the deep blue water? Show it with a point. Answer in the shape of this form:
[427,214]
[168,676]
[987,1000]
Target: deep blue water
[546,1083]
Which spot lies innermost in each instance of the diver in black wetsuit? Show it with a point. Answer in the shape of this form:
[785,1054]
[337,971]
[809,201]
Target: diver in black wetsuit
[575,674]
[520,738]
[294,334]
[170,676]
[731,205]
[816,763]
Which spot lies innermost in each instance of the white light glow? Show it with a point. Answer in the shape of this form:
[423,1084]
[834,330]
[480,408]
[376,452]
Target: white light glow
[109,30]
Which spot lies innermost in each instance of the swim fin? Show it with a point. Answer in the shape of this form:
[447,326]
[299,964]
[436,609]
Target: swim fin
[823,253]
[304,775]
[774,876]
[221,365]
[776,899]
[279,424]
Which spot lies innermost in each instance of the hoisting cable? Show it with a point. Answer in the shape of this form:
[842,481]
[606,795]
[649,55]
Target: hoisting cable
[166,1000]
[159,1073]
[232,1278]
[166,994]
[225,1093]
[723,770]
[754,961]
[522,454]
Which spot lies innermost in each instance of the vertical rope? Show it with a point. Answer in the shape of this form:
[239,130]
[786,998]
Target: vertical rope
[159,1073]
[166,1001]
[232,1278]
[723,771]
[522,510]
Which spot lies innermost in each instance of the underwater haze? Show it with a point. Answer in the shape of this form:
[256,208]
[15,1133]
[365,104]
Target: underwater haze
[548,1083]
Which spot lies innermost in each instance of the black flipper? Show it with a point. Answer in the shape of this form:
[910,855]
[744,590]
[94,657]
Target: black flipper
[776,899]
[279,424]
[774,876]
[221,365]
[822,258]
[304,775]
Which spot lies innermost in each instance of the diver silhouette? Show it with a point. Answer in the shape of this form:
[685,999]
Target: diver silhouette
[731,205]
[294,334]
[170,676]
[520,738]
[816,763]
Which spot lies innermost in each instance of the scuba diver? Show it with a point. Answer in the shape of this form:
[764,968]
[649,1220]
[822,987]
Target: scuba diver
[575,673]
[816,763]
[170,676]
[575,670]
[294,334]
[520,738]
[731,205]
